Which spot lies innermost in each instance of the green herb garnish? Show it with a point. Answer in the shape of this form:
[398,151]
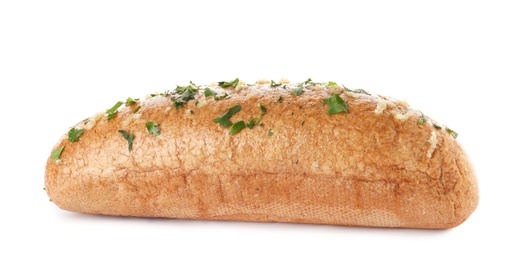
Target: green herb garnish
[452,133]
[309,81]
[224,119]
[422,120]
[129,137]
[208,92]
[336,104]
[56,153]
[280,99]
[298,90]
[183,94]
[221,97]
[130,101]
[226,84]
[359,91]
[182,99]
[237,127]
[270,132]
[74,134]
[136,109]
[253,122]
[153,128]
[113,111]
[263,109]
[436,126]
[331,84]
[273,84]
[181,89]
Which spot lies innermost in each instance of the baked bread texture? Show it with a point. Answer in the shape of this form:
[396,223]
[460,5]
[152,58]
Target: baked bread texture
[266,152]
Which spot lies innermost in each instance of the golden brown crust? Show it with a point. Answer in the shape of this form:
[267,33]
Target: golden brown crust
[372,166]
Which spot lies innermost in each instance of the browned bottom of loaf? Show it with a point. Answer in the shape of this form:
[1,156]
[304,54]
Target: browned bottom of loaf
[263,198]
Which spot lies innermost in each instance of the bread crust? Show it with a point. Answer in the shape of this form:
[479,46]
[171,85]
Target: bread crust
[373,166]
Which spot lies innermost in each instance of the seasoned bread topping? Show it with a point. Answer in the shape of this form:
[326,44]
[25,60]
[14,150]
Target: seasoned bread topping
[334,97]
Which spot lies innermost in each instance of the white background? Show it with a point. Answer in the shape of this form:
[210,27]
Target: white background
[62,61]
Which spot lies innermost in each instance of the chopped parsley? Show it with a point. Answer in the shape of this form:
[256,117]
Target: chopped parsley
[422,120]
[221,97]
[208,92]
[253,122]
[263,109]
[331,84]
[153,128]
[280,99]
[130,101]
[309,81]
[452,133]
[224,119]
[74,134]
[136,109]
[336,104]
[56,153]
[226,84]
[298,90]
[273,84]
[270,132]
[129,137]
[237,127]
[112,112]
[359,91]
[183,94]
[436,126]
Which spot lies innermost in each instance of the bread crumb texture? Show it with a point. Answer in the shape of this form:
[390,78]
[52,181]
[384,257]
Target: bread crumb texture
[335,156]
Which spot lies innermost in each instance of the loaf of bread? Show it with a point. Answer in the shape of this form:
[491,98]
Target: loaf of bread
[267,152]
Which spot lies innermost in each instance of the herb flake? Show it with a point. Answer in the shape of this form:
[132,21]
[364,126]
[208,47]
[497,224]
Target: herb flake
[221,96]
[130,101]
[56,153]
[336,104]
[298,90]
[183,94]
[452,133]
[112,112]
[253,122]
[128,137]
[273,84]
[226,84]
[309,81]
[136,109]
[74,134]
[263,109]
[359,91]
[153,128]
[208,92]
[224,119]
[237,127]
[422,120]
[270,132]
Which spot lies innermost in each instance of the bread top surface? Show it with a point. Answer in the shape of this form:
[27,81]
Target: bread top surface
[379,138]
